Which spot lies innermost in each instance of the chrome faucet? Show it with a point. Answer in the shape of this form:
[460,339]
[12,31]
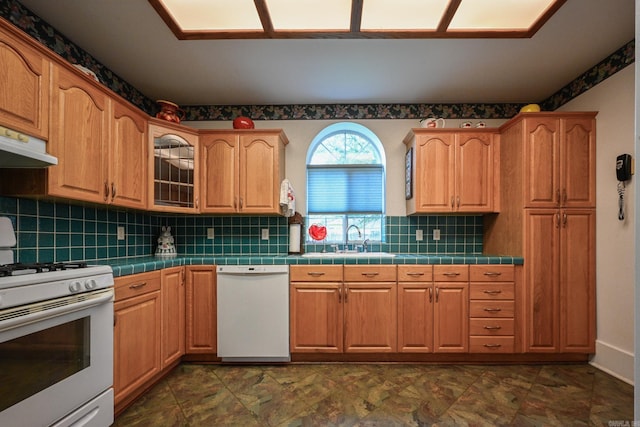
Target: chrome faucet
[346,236]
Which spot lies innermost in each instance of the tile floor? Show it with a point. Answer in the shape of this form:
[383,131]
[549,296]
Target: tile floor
[383,395]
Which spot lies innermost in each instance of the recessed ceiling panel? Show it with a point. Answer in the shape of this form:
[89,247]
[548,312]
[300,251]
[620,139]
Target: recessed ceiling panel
[216,15]
[310,15]
[498,14]
[402,14]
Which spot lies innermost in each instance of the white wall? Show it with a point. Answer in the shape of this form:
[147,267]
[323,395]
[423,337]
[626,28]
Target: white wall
[302,132]
[615,240]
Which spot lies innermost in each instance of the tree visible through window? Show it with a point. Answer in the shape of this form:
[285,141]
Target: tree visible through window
[346,183]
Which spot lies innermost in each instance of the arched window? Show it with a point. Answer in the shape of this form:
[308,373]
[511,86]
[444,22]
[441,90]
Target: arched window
[346,183]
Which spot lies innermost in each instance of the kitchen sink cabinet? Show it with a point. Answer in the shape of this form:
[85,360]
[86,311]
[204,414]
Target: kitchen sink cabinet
[242,171]
[354,313]
[173,168]
[24,84]
[173,315]
[452,171]
[137,334]
[548,195]
[201,316]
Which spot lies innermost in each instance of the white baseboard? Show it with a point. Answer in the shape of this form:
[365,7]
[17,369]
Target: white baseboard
[614,361]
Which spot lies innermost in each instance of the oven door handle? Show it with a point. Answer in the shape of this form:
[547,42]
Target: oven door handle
[43,310]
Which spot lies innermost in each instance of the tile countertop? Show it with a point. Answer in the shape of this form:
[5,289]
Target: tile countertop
[126,266]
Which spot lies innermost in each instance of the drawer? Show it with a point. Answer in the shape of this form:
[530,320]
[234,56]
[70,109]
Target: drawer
[492,291]
[491,308]
[450,273]
[491,344]
[491,273]
[136,284]
[370,273]
[415,273]
[491,327]
[315,273]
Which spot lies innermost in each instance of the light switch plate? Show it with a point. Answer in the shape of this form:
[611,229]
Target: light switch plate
[120,233]
[265,234]
[436,234]
[210,234]
[419,235]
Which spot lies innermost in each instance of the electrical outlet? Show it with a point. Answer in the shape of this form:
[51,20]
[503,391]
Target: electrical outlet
[419,235]
[120,233]
[436,234]
[265,234]
[210,233]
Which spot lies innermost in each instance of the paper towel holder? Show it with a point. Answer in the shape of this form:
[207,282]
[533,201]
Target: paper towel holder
[296,238]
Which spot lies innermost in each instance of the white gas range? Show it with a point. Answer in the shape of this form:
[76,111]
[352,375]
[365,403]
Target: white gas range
[56,341]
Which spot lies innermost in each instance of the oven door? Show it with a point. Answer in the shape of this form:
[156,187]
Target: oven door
[55,356]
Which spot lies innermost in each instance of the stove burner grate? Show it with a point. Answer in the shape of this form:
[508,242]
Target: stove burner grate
[38,267]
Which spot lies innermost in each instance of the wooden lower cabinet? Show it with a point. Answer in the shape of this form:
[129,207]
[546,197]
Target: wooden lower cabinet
[137,334]
[201,309]
[415,309]
[451,307]
[332,313]
[173,315]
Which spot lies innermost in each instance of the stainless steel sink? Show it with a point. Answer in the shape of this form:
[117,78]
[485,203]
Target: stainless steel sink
[348,255]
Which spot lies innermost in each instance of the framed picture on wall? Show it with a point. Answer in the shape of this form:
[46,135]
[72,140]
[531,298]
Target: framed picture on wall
[408,175]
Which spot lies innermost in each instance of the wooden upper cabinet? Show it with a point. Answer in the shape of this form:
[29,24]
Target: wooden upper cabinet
[24,85]
[242,171]
[560,160]
[452,171]
[80,118]
[173,167]
[127,165]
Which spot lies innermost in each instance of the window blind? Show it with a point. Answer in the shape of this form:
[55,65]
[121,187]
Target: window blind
[345,189]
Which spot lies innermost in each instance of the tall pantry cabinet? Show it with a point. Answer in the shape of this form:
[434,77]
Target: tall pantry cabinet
[548,217]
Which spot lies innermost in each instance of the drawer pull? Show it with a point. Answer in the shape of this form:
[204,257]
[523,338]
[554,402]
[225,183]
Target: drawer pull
[492,273]
[430,294]
[451,274]
[316,273]
[492,328]
[493,345]
[138,285]
[492,310]
[374,274]
[415,274]
[492,291]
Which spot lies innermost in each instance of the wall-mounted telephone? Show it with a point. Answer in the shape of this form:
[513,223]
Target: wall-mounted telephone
[624,170]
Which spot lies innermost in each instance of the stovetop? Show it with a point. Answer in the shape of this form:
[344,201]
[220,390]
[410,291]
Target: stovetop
[17,269]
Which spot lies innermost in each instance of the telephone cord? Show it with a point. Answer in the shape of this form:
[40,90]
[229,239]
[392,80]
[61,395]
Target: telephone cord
[621,200]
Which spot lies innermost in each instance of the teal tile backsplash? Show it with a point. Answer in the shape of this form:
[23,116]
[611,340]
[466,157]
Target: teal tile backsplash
[57,231]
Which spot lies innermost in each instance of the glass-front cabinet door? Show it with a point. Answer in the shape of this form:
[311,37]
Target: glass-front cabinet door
[174,168]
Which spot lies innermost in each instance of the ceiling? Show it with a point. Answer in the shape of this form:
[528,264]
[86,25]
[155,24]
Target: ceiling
[131,39]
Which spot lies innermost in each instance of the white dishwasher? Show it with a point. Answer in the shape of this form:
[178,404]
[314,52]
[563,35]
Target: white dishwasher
[253,313]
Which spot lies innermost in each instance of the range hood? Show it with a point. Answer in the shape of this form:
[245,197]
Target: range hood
[18,150]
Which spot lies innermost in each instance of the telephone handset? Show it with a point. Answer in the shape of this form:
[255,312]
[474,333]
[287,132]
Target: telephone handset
[624,170]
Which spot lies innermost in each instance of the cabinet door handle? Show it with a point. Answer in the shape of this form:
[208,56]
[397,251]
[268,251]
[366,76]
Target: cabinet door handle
[241,202]
[412,274]
[557,220]
[371,274]
[138,285]
[492,328]
[113,190]
[430,294]
[492,309]
[339,295]
[492,273]
[564,220]
[452,202]
[451,274]
[458,201]
[346,294]
[492,291]
[106,191]
[437,293]
[315,273]
[197,203]
[493,345]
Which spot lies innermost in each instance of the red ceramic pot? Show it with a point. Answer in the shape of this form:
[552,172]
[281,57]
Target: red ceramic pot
[243,123]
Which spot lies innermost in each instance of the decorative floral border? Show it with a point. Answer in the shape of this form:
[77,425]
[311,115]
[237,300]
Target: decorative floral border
[23,18]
